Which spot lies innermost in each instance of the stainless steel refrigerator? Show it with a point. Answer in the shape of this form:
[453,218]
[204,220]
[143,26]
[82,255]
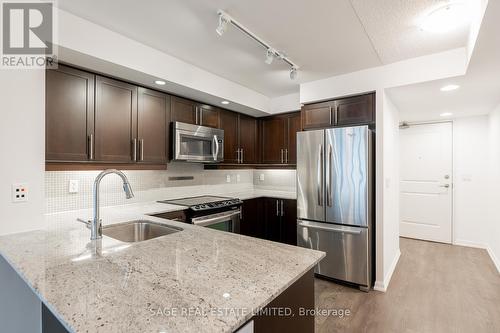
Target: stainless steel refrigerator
[334,201]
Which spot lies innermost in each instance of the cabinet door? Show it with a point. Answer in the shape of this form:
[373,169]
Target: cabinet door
[115,121]
[208,116]
[184,110]
[272,220]
[229,123]
[355,110]
[273,139]
[152,126]
[252,223]
[317,115]
[289,222]
[69,114]
[294,126]
[248,135]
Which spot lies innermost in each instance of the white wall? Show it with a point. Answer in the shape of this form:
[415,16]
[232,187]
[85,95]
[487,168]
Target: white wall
[22,147]
[471,178]
[387,227]
[494,189]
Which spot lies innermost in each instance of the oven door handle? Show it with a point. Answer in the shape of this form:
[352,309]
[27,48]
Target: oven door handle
[203,221]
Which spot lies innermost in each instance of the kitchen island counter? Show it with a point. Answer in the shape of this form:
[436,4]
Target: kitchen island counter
[196,280]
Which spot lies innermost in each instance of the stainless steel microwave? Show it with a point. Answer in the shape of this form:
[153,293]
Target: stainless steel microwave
[193,143]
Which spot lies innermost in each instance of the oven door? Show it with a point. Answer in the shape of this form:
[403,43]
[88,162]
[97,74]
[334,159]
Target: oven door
[225,221]
[194,143]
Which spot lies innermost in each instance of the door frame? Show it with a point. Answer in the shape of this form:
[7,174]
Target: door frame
[453,164]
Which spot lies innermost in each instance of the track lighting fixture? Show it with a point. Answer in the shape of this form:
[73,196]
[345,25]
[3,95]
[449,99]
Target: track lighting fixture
[223,22]
[293,73]
[271,53]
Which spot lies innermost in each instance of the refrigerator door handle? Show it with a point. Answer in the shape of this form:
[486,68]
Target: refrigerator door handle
[330,228]
[329,178]
[320,176]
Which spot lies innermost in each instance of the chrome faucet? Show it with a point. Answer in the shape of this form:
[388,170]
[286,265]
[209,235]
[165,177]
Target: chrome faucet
[96,223]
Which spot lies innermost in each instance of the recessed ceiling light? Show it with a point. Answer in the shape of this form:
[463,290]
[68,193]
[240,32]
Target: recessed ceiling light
[160,82]
[225,102]
[446,114]
[450,87]
[446,18]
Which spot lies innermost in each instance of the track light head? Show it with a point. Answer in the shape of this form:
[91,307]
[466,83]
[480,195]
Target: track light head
[270,55]
[293,73]
[223,22]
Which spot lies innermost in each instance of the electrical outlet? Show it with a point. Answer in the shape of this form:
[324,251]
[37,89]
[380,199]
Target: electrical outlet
[238,178]
[19,192]
[73,186]
[261,177]
[228,178]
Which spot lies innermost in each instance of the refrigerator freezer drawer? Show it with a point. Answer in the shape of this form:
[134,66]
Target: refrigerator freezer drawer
[347,250]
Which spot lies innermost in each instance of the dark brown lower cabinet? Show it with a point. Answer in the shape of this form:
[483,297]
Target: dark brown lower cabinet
[270,218]
[296,304]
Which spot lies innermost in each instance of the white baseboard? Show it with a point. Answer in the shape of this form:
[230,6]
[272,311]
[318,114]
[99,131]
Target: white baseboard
[383,285]
[493,257]
[486,247]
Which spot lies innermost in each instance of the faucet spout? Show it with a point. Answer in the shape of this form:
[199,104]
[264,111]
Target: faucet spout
[96,223]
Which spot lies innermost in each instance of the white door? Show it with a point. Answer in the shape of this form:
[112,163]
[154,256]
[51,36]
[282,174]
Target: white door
[426,185]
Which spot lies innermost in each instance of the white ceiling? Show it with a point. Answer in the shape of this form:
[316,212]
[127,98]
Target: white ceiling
[479,89]
[324,37]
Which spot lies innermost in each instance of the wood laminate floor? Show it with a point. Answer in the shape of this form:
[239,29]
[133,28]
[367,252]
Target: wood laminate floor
[435,288]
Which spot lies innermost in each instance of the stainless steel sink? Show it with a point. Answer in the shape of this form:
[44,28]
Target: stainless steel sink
[138,231]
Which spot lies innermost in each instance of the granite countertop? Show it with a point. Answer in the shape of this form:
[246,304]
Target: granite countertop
[196,280]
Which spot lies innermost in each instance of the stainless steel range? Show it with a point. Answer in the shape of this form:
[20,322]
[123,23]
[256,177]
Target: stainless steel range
[214,212]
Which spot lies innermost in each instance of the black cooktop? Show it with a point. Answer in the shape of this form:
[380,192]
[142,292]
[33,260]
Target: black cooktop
[206,202]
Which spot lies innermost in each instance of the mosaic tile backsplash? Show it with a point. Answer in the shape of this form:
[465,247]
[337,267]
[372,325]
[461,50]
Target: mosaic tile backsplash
[157,184]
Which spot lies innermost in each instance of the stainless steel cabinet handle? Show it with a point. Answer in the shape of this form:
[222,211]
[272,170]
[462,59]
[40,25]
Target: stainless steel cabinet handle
[238,155]
[277,208]
[330,108]
[204,221]
[196,115]
[286,155]
[91,146]
[134,149]
[320,176]
[333,229]
[329,178]
[445,185]
[142,149]
[336,115]
[201,115]
[281,152]
[282,210]
[242,151]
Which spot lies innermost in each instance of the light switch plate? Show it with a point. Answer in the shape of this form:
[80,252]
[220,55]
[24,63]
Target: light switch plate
[19,192]
[73,186]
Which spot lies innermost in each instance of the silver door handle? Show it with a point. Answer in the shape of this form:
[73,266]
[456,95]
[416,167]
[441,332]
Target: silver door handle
[134,149]
[445,185]
[277,208]
[281,152]
[238,155]
[333,229]
[320,176]
[91,146]
[204,221]
[142,149]
[200,110]
[215,147]
[242,150]
[196,115]
[286,155]
[282,211]
[329,178]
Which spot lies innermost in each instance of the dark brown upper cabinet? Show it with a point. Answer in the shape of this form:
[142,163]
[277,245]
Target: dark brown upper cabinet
[273,139]
[248,132]
[115,121]
[191,112]
[279,141]
[240,137]
[69,114]
[229,123]
[356,110]
[153,114]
